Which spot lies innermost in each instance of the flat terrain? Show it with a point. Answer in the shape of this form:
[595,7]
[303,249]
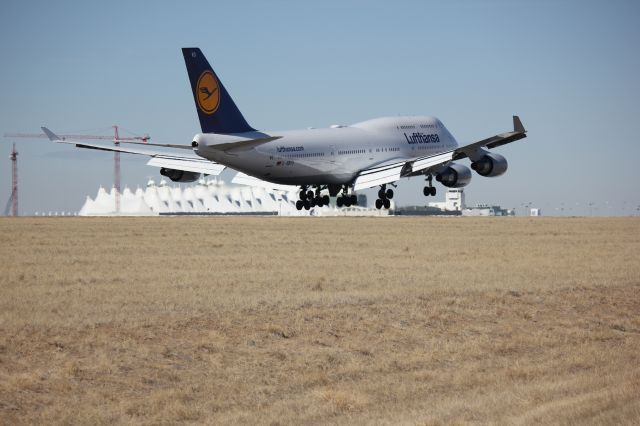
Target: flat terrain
[319,320]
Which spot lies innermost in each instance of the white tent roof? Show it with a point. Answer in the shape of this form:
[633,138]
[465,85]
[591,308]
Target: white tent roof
[212,196]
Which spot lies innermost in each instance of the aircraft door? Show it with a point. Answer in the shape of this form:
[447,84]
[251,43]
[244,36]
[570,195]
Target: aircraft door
[332,153]
[369,149]
[274,158]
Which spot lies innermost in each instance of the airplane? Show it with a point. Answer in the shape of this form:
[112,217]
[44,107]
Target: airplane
[337,161]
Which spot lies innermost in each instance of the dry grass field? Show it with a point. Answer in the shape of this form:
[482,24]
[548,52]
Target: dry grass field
[225,320]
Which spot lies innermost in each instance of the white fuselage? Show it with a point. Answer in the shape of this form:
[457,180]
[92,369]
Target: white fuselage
[329,156]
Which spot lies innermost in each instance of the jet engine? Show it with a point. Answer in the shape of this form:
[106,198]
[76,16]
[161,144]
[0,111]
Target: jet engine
[179,175]
[490,165]
[454,176]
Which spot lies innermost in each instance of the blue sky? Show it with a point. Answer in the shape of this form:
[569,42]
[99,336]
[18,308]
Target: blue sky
[568,68]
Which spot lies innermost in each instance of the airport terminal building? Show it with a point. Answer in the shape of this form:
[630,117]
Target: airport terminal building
[209,197]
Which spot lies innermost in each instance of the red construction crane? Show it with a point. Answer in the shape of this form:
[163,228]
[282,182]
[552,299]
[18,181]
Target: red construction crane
[116,155]
[116,168]
[13,199]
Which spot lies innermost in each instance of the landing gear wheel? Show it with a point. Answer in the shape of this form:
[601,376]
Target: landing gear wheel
[429,190]
[389,193]
[379,204]
[386,203]
[318,201]
[310,195]
[347,201]
[354,200]
[302,195]
[307,204]
[299,204]
[325,200]
[381,193]
[339,202]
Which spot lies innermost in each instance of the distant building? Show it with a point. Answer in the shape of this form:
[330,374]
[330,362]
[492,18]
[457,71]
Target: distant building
[536,212]
[424,211]
[453,201]
[205,197]
[486,210]
[210,197]
[454,204]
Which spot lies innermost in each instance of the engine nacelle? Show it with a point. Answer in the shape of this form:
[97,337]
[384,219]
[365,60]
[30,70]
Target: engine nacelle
[179,175]
[454,176]
[490,165]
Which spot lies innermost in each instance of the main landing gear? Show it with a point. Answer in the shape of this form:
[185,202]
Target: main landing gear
[429,190]
[310,199]
[384,197]
[346,200]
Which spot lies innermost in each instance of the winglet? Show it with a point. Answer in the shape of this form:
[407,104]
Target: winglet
[517,125]
[52,136]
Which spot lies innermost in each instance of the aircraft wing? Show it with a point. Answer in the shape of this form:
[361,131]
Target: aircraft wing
[379,175]
[518,133]
[389,173]
[242,145]
[187,163]
[243,179]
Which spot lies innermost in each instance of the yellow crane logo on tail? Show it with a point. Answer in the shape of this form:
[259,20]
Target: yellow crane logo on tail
[208,93]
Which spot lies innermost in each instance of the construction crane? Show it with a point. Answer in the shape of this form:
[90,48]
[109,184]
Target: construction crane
[13,199]
[116,155]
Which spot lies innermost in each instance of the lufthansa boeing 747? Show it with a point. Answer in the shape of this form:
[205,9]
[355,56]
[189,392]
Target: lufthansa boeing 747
[336,161]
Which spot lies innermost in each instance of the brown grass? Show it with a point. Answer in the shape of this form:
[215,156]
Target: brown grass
[326,320]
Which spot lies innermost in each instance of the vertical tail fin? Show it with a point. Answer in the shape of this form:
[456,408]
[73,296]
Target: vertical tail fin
[216,110]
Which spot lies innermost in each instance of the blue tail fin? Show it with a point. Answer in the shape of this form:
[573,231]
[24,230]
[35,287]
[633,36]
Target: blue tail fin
[216,110]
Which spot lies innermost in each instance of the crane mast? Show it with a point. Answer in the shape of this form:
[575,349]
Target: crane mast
[116,169]
[14,181]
